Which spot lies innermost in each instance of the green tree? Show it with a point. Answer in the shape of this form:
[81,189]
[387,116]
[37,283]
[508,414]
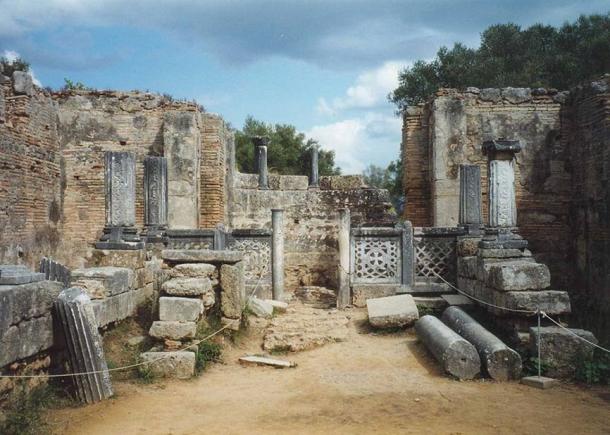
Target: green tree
[389,178]
[8,66]
[288,151]
[539,56]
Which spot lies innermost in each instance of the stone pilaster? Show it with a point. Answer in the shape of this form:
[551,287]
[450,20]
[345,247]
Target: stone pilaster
[501,177]
[343,296]
[470,198]
[120,184]
[155,198]
[277,254]
[314,177]
[408,258]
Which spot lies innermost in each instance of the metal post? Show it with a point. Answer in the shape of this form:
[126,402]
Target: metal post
[539,363]
[277,254]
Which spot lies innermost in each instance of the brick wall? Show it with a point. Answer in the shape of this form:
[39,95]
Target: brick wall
[587,133]
[416,173]
[213,201]
[29,175]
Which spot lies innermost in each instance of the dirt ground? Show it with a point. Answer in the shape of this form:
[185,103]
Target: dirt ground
[368,384]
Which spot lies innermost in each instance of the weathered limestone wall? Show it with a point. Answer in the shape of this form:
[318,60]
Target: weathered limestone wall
[30,203]
[310,219]
[587,133]
[457,124]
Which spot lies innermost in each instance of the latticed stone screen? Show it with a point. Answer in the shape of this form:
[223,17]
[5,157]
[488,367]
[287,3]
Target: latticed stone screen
[377,260]
[257,257]
[435,253]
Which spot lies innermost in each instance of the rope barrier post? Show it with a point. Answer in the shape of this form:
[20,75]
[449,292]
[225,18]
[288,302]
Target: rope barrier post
[539,363]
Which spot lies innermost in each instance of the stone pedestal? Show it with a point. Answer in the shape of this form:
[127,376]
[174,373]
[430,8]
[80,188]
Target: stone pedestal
[155,198]
[314,177]
[120,183]
[277,254]
[470,199]
[343,295]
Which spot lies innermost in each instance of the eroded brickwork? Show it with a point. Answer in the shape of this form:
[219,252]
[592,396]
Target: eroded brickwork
[213,190]
[30,203]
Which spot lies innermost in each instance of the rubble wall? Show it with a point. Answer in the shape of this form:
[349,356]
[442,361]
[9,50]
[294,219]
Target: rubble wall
[587,134]
[450,129]
[310,219]
[30,202]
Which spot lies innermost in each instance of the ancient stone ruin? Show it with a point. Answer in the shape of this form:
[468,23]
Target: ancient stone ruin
[117,202]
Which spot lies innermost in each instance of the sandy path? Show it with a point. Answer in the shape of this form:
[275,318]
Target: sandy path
[368,384]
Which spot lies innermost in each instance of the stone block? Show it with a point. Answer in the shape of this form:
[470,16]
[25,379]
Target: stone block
[103,282]
[201,256]
[501,253]
[561,350]
[180,309]
[293,182]
[22,83]
[18,274]
[26,301]
[172,330]
[540,382]
[468,246]
[362,292]
[260,308]
[467,267]
[342,182]
[469,286]
[115,308]
[179,365]
[459,301]
[278,306]
[232,290]
[392,311]
[131,259]
[517,95]
[187,286]
[518,275]
[490,94]
[25,339]
[193,270]
[552,302]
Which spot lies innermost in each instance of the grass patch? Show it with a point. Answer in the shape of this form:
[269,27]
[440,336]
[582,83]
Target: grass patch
[530,366]
[145,374]
[279,350]
[594,369]
[24,411]
[207,352]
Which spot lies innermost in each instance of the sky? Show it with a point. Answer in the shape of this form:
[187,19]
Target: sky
[325,66]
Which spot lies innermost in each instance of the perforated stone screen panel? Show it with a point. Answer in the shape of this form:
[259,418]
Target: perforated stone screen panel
[435,255]
[376,260]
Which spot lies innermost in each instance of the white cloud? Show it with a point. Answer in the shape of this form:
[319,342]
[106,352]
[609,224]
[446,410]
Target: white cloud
[359,141]
[369,90]
[12,56]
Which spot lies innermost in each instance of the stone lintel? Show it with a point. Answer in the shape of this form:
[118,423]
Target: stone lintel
[201,256]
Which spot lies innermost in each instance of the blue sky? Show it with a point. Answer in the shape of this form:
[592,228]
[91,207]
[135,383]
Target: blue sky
[324,66]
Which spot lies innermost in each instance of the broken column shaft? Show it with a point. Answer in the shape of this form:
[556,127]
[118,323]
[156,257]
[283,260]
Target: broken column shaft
[501,362]
[343,295]
[470,198]
[456,355]
[155,197]
[84,345]
[277,254]
[314,178]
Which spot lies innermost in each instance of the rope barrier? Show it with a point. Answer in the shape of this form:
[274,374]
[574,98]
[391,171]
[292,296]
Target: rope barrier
[131,366]
[514,310]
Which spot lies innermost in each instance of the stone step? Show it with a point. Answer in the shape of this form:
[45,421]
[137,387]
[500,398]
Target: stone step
[180,364]
[436,303]
[187,286]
